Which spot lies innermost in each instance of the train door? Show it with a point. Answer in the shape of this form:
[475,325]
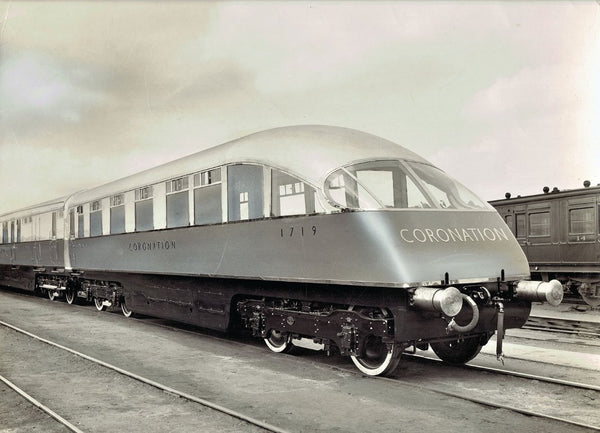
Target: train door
[542,239]
[579,238]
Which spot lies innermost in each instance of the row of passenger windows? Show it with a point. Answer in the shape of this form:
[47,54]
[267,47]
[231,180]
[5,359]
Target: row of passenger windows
[32,228]
[197,199]
[581,221]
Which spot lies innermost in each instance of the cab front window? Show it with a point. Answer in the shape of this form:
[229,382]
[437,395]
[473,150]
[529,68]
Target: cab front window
[397,185]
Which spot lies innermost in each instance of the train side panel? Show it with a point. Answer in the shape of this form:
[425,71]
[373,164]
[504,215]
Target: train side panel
[383,248]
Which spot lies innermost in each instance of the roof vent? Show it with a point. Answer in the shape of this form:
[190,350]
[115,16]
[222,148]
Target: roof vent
[507,195]
[586,184]
[546,190]
[555,189]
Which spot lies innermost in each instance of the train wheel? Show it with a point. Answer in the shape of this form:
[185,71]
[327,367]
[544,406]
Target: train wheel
[375,358]
[457,351]
[70,296]
[51,295]
[99,303]
[126,311]
[279,342]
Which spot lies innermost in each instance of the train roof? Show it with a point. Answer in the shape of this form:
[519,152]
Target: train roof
[551,195]
[48,206]
[309,152]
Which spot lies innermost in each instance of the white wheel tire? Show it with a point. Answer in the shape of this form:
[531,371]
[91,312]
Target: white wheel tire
[99,303]
[383,367]
[126,311]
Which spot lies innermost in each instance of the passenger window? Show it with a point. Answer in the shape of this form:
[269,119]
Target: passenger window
[5,232]
[509,222]
[96,219]
[581,221]
[53,229]
[117,214]
[80,232]
[244,192]
[521,230]
[539,224]
[144,214]
[290,196]
[178,214]
[207,197]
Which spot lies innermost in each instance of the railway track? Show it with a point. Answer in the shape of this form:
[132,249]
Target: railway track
[483,390]
[62,419]
[486,401]
[580,328]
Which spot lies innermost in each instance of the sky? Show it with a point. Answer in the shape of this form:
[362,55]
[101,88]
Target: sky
[503,96]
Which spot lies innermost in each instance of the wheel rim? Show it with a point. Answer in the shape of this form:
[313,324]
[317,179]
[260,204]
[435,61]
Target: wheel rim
[279,342]
[70,296]
[99,303]
[126,311]
[51,295]
[376,359]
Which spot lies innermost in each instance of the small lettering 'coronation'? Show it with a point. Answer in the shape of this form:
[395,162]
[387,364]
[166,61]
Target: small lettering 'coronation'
[453,235]
[152,246]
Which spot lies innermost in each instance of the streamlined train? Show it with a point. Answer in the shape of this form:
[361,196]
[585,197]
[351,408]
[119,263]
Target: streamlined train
[559,233]
[304,234]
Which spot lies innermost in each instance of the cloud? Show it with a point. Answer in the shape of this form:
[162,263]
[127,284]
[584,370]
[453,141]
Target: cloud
[39,92]
[531,92]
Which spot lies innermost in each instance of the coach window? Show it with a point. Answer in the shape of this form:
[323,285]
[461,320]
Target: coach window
[53,228]
[521,228]
[144,214]
[117,214]
[581,221]
[290,196]
[539,224]
[207,197]
[96,218]
[244,192]
[5,232]
[178,202]
[508,219]
[80,232]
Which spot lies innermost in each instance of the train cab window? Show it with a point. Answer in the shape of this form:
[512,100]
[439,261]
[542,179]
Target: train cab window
[96,218]
[374,185]
[245,193]
[290,196]
[207,197]
[117,214]
[448,193]
[178,211]
[581,221]
[5,232]
[144,214]
[539,224]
